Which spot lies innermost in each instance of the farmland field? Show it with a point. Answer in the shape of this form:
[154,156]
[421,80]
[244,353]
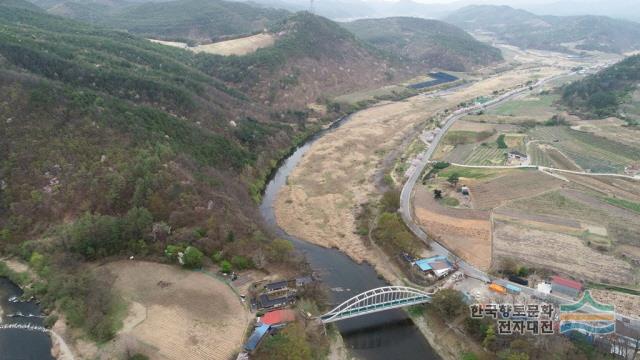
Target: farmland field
[539,155]
[466,232]
[531,106]
[486,155]
[566,254]
[490,194]
[179,314]
[589,151]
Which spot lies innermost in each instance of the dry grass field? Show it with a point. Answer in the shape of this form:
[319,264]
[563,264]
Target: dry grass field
[240,46]
[625,304]
[558,252]
[178,314]
[466,232]
[338,173]
[516,184]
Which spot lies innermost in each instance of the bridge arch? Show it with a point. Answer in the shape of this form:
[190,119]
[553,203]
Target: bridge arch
[376,300]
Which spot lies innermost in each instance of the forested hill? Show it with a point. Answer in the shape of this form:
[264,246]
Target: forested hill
[558,33]
[187,20]
[431,42]
[313,58]
[600,95]
[115,146]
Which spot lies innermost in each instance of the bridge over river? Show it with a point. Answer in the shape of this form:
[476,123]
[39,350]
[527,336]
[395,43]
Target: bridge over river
[376,300]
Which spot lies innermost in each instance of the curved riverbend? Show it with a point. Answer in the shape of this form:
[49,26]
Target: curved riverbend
[386,335]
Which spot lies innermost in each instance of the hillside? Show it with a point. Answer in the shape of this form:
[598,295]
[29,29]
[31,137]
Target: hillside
[312,59]
[600,95]
[429,42]
[125,146]
[104,135]
[567,34]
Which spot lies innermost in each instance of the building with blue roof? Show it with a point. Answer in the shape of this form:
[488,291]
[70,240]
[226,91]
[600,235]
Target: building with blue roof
[256,337]
[438,265]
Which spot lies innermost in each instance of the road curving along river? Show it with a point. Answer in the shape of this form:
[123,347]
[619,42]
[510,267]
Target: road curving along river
[381,336]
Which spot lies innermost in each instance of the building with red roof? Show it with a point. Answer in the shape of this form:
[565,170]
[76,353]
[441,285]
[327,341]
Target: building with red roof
[565,286]
[278,317]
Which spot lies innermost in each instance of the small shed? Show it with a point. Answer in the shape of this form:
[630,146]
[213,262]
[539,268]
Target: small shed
[565,286]
[256,337]
[278,317]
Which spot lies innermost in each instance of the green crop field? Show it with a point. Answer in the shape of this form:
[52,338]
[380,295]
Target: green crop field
[539,156]
[589,151]
[534,106]
[486,155]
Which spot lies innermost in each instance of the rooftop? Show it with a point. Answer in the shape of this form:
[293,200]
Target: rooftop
[278,317]
[566,282]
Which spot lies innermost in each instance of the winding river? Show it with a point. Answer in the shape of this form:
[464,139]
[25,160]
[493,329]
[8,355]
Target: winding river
[385,335]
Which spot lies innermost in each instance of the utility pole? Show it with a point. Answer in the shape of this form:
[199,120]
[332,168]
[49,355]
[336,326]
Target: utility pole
[311,6]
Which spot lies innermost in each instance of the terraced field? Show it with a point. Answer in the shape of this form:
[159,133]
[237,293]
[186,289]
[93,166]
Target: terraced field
[589,151]
[513,185]
[486,155]
[539,156]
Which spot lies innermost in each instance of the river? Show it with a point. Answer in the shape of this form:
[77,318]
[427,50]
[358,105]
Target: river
[381,336]
[22,344]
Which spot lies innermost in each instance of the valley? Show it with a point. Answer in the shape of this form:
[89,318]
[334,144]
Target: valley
[193,179]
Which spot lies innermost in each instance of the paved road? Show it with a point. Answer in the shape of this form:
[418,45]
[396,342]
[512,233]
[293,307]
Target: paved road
[407,191]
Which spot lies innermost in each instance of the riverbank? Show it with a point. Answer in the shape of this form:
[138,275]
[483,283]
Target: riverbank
[324,193]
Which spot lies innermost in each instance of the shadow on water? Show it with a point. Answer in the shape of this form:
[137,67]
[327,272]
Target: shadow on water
[21,344]
[385,335]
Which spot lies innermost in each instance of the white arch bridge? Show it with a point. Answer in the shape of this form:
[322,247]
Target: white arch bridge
[376,300]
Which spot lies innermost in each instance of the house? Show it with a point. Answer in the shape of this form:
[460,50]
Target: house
[565,286]
[277,317]
[438,265]
[465,190]
[264,301]
[516,157]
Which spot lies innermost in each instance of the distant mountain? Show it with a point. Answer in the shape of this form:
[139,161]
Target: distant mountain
[197,20]
[621,9]
[345,10]
[431,42]
[313,57]
[570,33]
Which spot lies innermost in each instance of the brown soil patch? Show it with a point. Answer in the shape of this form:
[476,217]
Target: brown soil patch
[562,253]
[514,185]
[179,314]
[465,232]
[626,304]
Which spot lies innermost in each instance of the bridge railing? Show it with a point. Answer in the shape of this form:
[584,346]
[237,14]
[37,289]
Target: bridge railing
[375,300]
